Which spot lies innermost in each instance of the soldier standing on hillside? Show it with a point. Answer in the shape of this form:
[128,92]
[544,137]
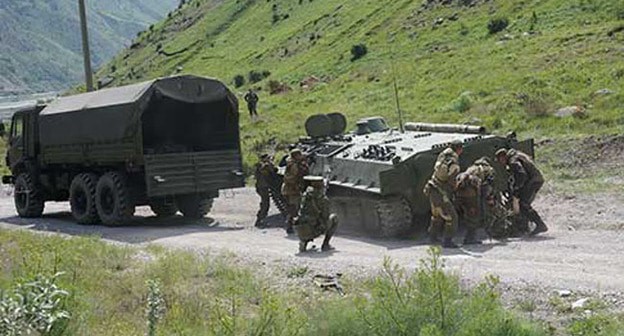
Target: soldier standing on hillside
[527,180]
[315,218]
[265,170]
[296,169]
[252,102]
[440,190]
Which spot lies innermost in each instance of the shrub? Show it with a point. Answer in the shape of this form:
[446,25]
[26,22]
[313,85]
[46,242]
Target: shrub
[358,51]
[256,76]
[34,306]
[239,80]
[497,25]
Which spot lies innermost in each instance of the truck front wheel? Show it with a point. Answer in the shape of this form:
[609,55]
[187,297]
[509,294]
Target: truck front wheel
[27,196]
[112,199]
[82,199]
[194,206]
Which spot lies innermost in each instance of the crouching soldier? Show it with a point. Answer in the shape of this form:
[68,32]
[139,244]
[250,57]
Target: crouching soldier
[479,204]
[314,217]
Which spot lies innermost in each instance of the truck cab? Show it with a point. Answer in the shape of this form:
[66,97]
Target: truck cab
[22,144]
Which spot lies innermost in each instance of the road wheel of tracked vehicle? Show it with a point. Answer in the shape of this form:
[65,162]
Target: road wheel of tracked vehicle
[27,196]
[112,198]
[163,208]
[82,199]
[395,216]
[194,206]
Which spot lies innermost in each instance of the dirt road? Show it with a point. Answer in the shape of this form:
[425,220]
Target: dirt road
[583,251]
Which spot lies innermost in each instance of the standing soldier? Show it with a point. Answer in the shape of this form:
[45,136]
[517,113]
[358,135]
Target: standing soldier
[315,218]
[264,173]
[527,180]
[440,190]
[252,101]
[296,169]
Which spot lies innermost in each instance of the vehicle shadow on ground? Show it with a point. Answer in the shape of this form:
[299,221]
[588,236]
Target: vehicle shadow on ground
[138,230]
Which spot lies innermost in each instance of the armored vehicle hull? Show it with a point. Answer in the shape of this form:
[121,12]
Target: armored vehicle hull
[171,143]
[376,179]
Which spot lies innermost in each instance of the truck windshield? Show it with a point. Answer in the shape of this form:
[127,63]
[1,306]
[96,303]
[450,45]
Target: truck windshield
[17,129]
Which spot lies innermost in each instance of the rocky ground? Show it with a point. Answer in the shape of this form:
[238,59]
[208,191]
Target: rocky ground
[544,276]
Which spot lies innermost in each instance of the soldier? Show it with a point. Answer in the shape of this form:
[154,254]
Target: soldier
[440,190]
[477,202]
[252,101]
[315,218]
[296,169]
[264,173]
[527,180]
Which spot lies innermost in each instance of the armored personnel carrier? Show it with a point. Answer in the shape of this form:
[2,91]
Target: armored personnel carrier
[376,174]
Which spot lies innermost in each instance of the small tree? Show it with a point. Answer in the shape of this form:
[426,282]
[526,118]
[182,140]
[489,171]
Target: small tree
[358,51]
[497,25]
[239,80]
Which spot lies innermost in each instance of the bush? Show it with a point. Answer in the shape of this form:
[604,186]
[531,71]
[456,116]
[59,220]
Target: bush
[256,76]
[497,25]
[358,51]
[428,302]
[34,306]
[239,80]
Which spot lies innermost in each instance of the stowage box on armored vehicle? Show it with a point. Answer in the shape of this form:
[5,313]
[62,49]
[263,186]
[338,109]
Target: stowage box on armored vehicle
[376,174]
[170,143]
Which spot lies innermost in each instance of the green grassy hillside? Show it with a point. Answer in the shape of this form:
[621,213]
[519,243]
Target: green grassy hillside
[40,43]
[449,66]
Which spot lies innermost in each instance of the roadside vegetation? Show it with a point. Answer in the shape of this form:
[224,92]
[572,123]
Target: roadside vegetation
[97,288]
[508,65]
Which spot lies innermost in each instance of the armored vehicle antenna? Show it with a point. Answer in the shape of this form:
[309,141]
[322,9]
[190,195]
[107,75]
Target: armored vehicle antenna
[396,88]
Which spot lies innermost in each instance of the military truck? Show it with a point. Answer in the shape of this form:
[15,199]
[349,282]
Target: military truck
[376,174]
[169,143]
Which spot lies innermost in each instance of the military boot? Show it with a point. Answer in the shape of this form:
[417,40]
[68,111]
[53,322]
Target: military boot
[434,234]
[449,243]
[303,246]
[541,226]
[471,239]
[326,247]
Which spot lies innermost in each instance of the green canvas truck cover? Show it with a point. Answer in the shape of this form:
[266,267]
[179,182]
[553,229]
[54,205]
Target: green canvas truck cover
[114,115]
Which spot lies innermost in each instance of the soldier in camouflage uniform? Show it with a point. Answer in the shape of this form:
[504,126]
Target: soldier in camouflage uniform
[479,204]
[264,173]
[315,218]
[296,169]
[527,180]
[440,189]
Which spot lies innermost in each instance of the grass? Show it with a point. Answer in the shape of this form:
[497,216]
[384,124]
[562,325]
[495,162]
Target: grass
[453,72]
[110,287]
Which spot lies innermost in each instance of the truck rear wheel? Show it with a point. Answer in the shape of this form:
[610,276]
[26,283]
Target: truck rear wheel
[162,208]
[82,199]
[27,196]
[112,199]
[194,206]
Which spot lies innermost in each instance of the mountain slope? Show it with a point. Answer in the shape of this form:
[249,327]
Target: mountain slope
[40,42]
[449,66]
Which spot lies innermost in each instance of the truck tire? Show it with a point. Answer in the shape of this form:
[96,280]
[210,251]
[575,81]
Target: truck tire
[162,208]
[82,199]
[27,197]
[194,206]
[112,199]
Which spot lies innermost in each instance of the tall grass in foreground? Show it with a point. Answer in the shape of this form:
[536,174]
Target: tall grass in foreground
[125,291]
